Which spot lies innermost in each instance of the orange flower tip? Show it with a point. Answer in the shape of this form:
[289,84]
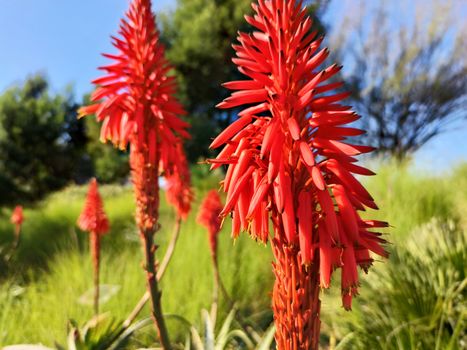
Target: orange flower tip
[82,113]
[222,105]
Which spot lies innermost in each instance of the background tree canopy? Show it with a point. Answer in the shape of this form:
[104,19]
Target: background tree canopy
[408,81]
[406,67]
[41,142]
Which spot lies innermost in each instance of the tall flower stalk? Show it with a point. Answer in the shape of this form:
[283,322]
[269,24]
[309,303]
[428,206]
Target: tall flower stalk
[209,217]
[94,220]
[288,162]
[180,195]
[135,103]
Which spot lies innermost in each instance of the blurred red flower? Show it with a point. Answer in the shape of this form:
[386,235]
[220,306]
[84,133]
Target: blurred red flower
[135,101]
[209,217]
[17,219]
[17,216]
[93,217]
[288,161]
[178,187]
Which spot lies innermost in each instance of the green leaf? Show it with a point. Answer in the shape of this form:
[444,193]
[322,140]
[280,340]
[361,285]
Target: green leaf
[268,338]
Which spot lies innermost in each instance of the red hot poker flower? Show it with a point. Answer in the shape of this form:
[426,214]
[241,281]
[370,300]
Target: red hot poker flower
[178,191]
[135,102]
[94,220]
[209,217]
[17,216]
[17,219]
[288,161]
[93,217]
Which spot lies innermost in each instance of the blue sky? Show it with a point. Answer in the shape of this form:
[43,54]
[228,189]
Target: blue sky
[64,39]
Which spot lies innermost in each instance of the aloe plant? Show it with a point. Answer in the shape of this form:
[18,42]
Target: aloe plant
[227,337]
[419,301]
[102,332]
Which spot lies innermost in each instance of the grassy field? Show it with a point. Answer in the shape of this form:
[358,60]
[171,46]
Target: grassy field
[40,289]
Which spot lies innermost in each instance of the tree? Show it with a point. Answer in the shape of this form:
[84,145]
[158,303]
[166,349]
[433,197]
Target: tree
[41,142]
[408,69]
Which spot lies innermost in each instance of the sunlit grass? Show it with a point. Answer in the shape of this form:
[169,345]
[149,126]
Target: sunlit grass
[53,269]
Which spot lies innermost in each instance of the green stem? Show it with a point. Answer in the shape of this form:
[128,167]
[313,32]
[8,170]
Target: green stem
[160,273]
[153,289]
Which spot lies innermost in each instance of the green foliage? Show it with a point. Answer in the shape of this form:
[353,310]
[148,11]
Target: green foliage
[102,332]
[418,300]
[206,338]
[41,142]
[36,293]
[409,198]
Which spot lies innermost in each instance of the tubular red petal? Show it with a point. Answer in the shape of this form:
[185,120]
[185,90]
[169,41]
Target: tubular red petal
[271,132]
[327,207]
[305,228]
[317,59]
[254,110]
[347,212]
[293,128]
[318,179]
[244,97]
[307,155]
[258,196]
[230,131]
[233,195]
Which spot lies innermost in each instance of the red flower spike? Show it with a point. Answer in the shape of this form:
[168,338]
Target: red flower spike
[93,217]
[288,160]
[17,219]
[94,220]
[135,101]
[209,217]
[178,191]
[17,216]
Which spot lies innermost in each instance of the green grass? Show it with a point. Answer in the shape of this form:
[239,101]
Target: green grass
[53,267]
[418,299]
[56,269]
[408,199]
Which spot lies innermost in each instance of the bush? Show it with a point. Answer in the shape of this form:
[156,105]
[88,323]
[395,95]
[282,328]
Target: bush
[419,300]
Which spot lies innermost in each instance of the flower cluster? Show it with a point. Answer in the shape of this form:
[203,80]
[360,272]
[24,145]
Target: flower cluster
[17,218]
[287,154]
[135,102]
[93,217]
[94,220]
[178,186]
[209,217]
